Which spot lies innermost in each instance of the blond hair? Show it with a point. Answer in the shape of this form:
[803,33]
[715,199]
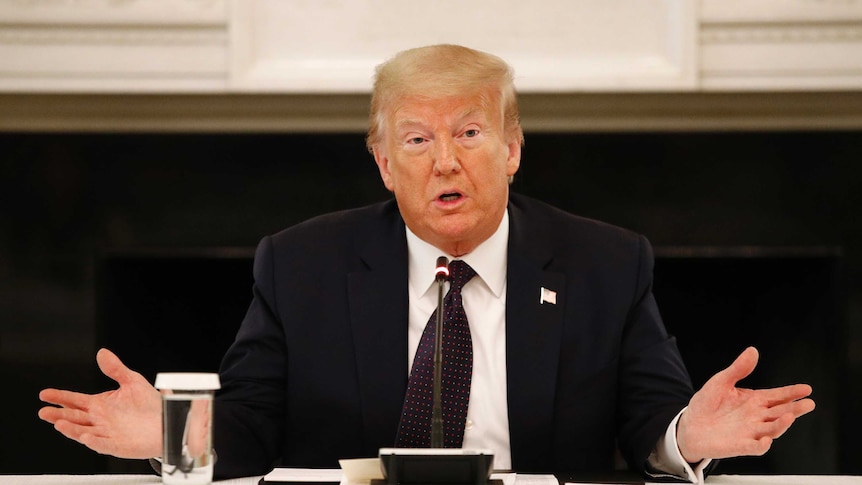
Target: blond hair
[440,71]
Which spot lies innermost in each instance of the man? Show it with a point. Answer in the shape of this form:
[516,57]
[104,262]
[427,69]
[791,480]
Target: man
[569,356]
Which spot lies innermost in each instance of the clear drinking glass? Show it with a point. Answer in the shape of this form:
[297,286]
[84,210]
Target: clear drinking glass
[187,409]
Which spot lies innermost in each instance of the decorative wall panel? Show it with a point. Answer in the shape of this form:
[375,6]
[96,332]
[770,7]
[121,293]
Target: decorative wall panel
[113,45]
[781,45]
[554,46]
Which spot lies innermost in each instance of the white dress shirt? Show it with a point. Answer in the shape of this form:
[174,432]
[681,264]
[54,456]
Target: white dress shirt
[484,300]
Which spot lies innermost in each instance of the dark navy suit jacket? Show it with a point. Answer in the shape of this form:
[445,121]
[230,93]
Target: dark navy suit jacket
[319,367]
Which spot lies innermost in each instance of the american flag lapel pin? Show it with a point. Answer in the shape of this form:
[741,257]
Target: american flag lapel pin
[548,296]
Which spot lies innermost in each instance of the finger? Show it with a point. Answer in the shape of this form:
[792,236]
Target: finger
[804,406]
[745,447]
[53,415]
[113,367]
[795,409]
[774,429]
[108,445]
[97,443]
[66,399]
[759,447]
[72,430]
[48,414]
[85,435]
[785,394]
[741,368]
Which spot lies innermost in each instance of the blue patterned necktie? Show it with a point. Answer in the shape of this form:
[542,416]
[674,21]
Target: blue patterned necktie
[414,430]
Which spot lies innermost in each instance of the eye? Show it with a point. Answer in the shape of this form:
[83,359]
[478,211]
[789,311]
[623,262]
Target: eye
[471,133]
[416,140]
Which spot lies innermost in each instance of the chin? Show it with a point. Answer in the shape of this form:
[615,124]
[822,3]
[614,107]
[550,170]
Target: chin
[451,235]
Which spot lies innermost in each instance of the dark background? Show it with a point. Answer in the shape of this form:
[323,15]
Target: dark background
[142,242]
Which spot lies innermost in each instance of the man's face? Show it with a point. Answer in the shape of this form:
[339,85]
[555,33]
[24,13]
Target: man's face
[448,163]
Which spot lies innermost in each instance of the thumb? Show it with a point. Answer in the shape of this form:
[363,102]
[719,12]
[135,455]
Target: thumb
[741,368]
[113,367]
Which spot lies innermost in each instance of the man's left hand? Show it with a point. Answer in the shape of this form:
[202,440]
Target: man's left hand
[723,420]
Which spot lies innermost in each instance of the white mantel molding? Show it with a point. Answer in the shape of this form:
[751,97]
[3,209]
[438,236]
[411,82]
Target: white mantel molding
[114,12]
[294,65]
[776,45]
[332,46]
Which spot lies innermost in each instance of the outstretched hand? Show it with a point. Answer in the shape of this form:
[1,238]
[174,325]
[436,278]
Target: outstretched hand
[124,422]
[723,420]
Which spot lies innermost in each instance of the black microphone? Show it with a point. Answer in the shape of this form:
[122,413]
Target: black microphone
[442,273]
[438,465]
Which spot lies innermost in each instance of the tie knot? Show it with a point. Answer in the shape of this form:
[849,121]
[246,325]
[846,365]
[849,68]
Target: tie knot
[459,274]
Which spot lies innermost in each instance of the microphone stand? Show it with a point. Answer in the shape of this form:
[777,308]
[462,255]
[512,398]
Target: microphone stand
[437,407]
[437,465]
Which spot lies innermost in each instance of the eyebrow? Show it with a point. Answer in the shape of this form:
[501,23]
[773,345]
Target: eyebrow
[410,122]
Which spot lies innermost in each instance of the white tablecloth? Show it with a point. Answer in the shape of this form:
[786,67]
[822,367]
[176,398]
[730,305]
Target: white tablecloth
[784,480]
[106,479]
[523,479]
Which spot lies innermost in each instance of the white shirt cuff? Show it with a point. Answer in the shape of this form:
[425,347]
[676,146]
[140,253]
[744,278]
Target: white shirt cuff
[667,461]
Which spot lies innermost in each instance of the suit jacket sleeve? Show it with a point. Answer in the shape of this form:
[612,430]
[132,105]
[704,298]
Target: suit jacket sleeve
[249,410]
[653,382]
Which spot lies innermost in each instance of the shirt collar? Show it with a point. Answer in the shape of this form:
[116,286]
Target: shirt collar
[489,260]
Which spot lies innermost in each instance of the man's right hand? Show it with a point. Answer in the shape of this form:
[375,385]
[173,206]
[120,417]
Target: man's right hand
[125,422]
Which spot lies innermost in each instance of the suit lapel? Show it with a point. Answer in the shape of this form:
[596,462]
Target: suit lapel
[378,311]
[533,333]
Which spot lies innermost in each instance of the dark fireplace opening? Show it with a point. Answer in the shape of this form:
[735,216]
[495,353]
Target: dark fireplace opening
[788,304]
[126,240]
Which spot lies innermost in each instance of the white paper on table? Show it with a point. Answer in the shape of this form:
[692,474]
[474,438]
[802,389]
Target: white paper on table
[360,470]
[591,483]
[521,479]
[306,475]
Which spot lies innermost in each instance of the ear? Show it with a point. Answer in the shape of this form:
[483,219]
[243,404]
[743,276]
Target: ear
[513,162]
[382,162]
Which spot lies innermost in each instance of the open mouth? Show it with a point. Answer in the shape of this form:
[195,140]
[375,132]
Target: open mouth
[449,197]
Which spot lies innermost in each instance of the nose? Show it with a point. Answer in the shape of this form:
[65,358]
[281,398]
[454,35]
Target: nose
[445,158]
